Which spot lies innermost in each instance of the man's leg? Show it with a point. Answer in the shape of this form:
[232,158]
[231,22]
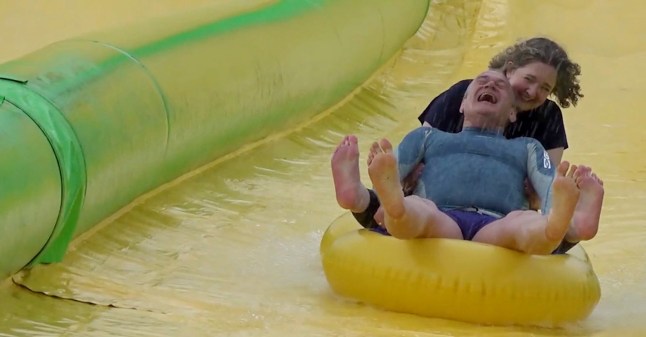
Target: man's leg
[531,232]
[406,217]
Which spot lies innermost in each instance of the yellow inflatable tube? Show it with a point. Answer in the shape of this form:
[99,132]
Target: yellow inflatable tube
[458,280]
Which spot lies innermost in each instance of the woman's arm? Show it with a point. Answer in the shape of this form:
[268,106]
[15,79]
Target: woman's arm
[443,112]
[556,155]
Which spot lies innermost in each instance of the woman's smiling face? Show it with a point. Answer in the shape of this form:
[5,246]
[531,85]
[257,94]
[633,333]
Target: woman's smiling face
[532,84]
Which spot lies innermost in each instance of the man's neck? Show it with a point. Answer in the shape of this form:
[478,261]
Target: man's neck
[487,127]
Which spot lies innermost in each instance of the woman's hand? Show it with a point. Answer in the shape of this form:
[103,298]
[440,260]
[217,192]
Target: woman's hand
[410,182]
[532,196]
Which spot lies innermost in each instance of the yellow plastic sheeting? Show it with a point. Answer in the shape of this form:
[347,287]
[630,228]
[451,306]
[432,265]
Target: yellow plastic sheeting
[232,250]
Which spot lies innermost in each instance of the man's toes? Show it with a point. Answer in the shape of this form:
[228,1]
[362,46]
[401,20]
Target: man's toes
[385,145]
[561,170]
[375,149]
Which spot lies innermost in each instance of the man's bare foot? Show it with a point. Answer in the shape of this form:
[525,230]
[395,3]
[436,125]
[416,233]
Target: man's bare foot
[588,210]
[565,195]
[385,179]
[351,194]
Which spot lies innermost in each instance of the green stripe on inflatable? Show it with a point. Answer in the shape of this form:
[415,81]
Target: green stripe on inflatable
[142,105]
[69,156]
[281,11]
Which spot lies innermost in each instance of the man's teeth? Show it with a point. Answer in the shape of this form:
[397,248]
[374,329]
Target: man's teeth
[486,97]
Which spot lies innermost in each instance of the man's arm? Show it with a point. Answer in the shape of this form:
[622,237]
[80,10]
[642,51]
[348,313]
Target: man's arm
[410,151]
[541,172]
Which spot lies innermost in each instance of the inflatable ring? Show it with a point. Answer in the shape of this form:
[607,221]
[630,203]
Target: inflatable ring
[459,280]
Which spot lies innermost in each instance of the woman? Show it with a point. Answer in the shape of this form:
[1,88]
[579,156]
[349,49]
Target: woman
[536,68]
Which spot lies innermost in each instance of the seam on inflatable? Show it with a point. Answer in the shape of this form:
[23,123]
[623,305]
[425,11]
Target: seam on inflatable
[154,81]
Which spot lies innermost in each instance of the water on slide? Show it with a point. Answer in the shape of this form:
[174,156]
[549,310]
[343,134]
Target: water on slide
[232,249]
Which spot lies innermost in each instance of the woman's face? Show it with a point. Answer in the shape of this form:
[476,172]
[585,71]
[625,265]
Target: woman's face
[532,84]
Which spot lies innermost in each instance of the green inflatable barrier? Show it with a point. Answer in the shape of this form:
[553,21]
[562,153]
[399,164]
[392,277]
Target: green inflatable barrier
[89,124]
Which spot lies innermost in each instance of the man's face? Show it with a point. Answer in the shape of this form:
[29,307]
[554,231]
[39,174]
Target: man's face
[490,96]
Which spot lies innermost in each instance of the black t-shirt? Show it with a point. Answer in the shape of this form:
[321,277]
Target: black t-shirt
[544,123]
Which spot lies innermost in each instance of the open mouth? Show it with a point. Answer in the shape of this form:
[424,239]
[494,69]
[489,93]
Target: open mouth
[487,97]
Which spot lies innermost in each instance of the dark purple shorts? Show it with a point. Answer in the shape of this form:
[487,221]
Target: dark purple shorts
[469,222]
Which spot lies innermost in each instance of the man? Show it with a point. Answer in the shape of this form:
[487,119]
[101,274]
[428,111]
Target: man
[472,183]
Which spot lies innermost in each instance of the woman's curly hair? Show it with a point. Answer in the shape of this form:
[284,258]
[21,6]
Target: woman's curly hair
[539,49]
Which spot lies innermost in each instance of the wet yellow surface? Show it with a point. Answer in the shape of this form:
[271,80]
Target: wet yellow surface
[232,250]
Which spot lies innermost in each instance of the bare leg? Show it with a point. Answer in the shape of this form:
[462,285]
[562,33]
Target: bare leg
[588,210]
[350,192]
[531,232]
[405,217]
